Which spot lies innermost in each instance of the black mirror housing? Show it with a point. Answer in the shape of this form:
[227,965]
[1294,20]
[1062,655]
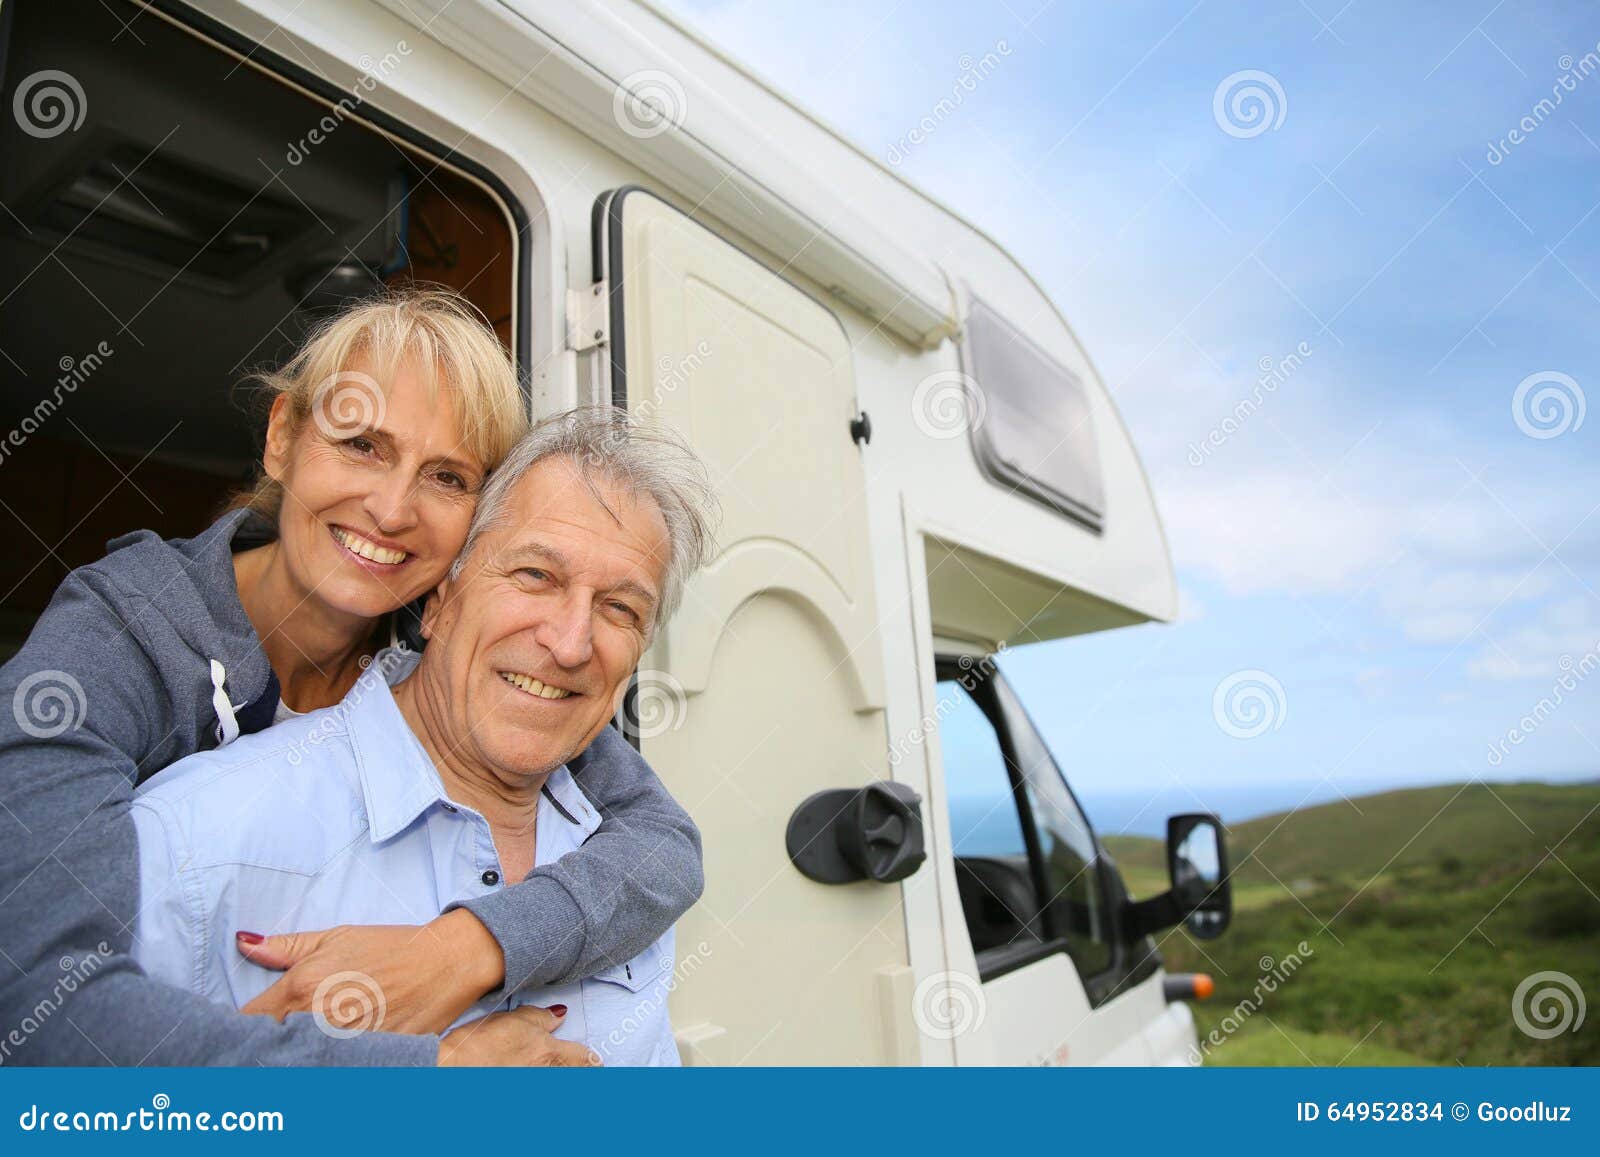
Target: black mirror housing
[1201,892]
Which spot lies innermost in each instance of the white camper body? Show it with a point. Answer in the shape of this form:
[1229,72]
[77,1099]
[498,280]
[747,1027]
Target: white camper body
[691,244]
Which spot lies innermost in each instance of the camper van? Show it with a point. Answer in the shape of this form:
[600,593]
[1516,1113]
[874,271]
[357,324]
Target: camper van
[918,464]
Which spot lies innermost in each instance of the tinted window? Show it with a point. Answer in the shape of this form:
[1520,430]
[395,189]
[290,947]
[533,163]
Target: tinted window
[1018,834]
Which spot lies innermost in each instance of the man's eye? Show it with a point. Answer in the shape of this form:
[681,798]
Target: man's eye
[534,573]
[625,610]
[360,445]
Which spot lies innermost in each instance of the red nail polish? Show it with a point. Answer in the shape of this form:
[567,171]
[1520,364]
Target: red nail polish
[249,937]
[559,1009]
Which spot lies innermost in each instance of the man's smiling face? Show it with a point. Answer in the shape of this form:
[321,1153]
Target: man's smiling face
[531,647]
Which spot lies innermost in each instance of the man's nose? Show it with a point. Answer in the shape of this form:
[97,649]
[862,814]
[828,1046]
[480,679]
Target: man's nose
[392,502]
[567,631]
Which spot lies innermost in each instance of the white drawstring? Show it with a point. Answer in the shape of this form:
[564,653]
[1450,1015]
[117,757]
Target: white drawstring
[227,721]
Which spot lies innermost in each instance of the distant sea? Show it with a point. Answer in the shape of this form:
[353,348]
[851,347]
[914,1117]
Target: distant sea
[982,829]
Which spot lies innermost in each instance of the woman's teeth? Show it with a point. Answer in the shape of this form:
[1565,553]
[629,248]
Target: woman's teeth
[531,685]
[355,544]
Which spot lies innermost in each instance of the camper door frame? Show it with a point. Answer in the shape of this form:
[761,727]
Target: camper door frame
[537,336]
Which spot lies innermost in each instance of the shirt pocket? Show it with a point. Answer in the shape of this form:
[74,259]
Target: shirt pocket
[651,969]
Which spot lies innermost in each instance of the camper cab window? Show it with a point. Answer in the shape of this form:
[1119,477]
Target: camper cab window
[1026,862]
[201,218]
[1034,431]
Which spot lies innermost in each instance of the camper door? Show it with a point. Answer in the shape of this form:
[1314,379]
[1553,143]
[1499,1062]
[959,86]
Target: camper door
[768,686]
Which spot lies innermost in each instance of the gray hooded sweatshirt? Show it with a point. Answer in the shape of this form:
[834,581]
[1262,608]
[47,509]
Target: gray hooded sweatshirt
[119,678]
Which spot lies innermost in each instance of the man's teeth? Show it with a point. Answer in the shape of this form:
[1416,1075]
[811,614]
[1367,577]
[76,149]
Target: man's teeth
[531,685]
[368,550]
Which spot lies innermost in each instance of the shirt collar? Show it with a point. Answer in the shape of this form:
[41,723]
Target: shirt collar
[398,779]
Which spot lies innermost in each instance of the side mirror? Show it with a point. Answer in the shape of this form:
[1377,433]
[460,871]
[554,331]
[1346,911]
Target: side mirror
[1201,895]
[1197,863]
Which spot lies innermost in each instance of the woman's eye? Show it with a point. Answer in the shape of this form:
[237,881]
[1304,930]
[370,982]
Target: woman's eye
[360,445]
[452,480]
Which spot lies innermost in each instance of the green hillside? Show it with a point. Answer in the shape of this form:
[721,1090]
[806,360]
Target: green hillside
[1421,910]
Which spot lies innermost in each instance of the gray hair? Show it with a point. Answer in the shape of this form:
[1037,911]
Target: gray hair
[645,458]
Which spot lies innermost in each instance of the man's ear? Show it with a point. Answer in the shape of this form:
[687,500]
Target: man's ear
[280,438]
[434,607]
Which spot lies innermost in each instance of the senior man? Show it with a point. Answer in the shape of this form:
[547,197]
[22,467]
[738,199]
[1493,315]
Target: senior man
[441,776]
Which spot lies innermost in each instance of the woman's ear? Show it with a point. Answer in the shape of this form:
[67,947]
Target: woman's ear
[280,438]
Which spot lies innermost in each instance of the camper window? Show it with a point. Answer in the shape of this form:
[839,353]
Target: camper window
[186,233]
[1017,834]
[1033,430]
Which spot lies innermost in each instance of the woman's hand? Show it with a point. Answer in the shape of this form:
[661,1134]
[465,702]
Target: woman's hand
[379,977]
[518,1037]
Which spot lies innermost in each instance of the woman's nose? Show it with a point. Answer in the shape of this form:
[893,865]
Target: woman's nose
[392,503]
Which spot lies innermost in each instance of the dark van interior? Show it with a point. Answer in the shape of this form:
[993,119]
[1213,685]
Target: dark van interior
[169,222]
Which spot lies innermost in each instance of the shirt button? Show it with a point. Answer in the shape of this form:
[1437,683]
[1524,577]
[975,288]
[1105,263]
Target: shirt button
[491,877]
[450,807]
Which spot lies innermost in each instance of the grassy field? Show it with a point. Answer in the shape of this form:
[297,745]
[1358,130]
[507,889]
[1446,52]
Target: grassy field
[1421,912]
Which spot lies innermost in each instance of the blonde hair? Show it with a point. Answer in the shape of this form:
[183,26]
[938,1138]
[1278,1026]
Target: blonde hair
[437,330]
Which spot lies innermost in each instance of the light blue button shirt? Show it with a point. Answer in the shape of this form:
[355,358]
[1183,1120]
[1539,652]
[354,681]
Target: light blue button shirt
[339,817]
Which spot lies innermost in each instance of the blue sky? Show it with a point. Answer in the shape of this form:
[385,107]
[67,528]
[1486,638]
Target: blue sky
[1381,536]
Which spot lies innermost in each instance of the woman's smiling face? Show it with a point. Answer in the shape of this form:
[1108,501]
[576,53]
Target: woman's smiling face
[379,487]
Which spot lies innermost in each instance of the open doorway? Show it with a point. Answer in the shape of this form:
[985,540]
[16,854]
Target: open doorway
[173,218]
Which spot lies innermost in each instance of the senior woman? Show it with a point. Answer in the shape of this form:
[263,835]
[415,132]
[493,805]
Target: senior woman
[383,429]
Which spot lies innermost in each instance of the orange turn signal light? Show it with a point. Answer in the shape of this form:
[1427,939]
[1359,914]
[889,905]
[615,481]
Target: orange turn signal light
[1204,986]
